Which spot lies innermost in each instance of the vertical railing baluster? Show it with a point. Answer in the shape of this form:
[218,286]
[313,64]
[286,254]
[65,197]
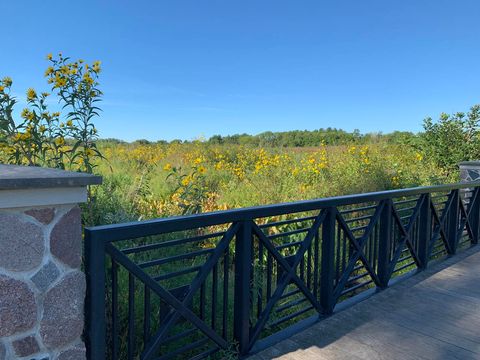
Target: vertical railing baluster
[377,244]
[384,244]
[226,287]
[260,280]
[269,276]
[338,253]
[146,315]
[214,296]
[453,214]
[328,261]
[425,231]
[316,269]
[95,273]
[242,301]
[202,301]
[474,214]
[309,267]
[131,317]
[115,311]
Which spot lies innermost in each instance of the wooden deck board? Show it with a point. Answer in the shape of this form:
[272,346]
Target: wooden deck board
[432,315]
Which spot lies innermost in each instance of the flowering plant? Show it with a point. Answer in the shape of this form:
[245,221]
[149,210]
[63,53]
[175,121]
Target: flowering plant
[190,191]
[44,138]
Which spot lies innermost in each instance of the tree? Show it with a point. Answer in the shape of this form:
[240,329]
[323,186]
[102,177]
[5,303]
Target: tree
[453,138]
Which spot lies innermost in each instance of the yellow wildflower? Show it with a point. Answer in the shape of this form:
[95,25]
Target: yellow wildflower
[49,57]
[25,114]
[49,71]
[186,181]
[87,79]
[202,170]
[7,81]
[60,81]
[167,167]
[31,94]
[69,123]
[96,66]
[59,141]
[2,88]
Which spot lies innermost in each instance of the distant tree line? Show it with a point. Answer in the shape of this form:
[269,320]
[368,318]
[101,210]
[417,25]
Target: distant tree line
[307,138]
[297,138]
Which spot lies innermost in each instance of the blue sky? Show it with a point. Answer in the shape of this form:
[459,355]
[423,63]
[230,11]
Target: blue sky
[186,69]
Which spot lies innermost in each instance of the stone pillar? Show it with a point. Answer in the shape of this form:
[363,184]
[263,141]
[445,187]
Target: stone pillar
[42,287]
[469,171]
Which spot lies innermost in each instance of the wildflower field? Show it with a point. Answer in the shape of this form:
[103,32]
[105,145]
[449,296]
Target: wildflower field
[148,180]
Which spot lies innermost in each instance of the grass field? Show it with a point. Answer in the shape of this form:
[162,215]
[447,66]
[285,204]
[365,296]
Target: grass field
[157,180]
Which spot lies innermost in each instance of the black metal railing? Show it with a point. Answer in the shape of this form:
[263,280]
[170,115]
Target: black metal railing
[220,284]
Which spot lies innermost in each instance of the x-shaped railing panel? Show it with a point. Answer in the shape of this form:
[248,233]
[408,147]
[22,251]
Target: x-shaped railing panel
[178,308]
[464,222]
[288,275]
[405,235]
[440,220]
[359,247]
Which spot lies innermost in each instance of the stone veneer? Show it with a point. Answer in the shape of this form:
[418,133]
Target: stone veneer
[42,288]
[469,171]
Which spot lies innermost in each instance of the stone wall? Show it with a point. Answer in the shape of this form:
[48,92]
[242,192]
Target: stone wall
[42,289]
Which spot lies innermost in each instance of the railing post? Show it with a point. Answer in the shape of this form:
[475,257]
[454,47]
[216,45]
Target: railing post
[474,214]
[425,231]
[453,215]
[328,261]
[95,304]
[384,244]
[242,295]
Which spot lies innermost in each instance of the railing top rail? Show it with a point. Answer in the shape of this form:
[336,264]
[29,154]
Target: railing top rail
[131,230]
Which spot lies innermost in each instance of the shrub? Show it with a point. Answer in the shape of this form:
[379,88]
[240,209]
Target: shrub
[452,139]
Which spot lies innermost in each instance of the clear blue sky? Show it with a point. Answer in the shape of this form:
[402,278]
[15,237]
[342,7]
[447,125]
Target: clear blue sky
[183,69]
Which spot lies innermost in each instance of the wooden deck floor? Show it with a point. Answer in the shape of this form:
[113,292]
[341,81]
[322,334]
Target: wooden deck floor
[432,315]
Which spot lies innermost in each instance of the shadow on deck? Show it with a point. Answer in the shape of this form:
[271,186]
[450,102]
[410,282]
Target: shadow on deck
[432,315]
